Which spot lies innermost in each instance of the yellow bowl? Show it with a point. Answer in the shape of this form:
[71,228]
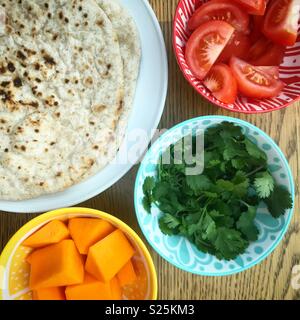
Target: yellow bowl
[14,270]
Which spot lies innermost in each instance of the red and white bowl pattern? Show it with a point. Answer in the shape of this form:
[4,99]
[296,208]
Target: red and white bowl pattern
[289,69]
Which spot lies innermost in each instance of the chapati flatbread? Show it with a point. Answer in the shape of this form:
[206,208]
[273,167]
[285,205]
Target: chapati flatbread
[63,100]
[130,49]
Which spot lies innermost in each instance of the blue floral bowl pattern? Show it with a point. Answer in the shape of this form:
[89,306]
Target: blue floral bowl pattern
[178,250]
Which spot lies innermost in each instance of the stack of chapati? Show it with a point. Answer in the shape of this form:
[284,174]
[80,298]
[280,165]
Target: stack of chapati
[68,73]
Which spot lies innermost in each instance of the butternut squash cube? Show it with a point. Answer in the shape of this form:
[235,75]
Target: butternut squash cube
[87,231]
[53,232]
[116,290]
[127,275]
[108,256]
[56,293]
[93,289]
[56,265]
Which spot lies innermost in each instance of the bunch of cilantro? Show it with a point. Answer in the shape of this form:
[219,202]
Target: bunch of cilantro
[216,210]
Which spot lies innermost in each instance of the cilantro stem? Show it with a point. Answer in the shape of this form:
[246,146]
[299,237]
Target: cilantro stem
[255,171]
[244,203]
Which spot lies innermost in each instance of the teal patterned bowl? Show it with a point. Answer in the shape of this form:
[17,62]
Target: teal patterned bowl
[178,250]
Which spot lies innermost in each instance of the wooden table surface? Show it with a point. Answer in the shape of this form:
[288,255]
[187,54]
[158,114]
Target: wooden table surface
[269,280]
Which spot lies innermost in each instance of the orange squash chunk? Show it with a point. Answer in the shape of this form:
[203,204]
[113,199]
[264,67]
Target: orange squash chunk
[108,256]
[28,258]
[56,293]
[56,265]
[90,289]
[53,232]
[87,231]
[127,275]
[116,290]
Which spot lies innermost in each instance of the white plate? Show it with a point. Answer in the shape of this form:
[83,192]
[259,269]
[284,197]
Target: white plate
[146,114]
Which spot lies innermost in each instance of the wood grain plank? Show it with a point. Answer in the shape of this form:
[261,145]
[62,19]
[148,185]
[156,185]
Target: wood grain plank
[269,280]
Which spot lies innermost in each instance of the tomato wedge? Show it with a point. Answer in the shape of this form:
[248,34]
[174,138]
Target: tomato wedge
[239,46]
[222,10]
[266,53]
[281,22]
[271,70]
[205,45]
[257,25]
[222,84]
[256,7]
[254,81]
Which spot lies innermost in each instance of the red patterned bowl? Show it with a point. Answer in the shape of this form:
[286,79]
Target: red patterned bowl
[289,69]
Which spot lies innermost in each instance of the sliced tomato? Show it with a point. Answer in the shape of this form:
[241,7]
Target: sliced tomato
[266,53]
[257,25]
[222,84]
[254,81]
[239,46]
[281,22]
[205,45]
[271,70]
[256,7]
[222,10]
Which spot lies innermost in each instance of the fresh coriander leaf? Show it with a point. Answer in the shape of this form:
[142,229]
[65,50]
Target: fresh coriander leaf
[148,185]
[229,243]
[209,229]
[147,204]
[279,201]
[223,167]
[171,221]
[254,151]
[167,206]
[165,229]
[204,246]
[221,207]
[161,190]
[213,163]
[221,220]
[198,183]
[239,163]
[241,184]
[225,185]
[181,168]
[193,228]
[193,218]
[236,208]
[233,149]
[211,195]
[230,130]
[225,189]
[247,225]
[240,176]
[264,184]
[167,198]
[230,151]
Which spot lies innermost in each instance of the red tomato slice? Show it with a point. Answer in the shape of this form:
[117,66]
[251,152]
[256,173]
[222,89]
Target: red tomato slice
[254,81]
[257,25]
[256,7]
[238,46]
[222,84]
[222,10]
[271,70]
[281,22]
[205,45]
[266,53]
